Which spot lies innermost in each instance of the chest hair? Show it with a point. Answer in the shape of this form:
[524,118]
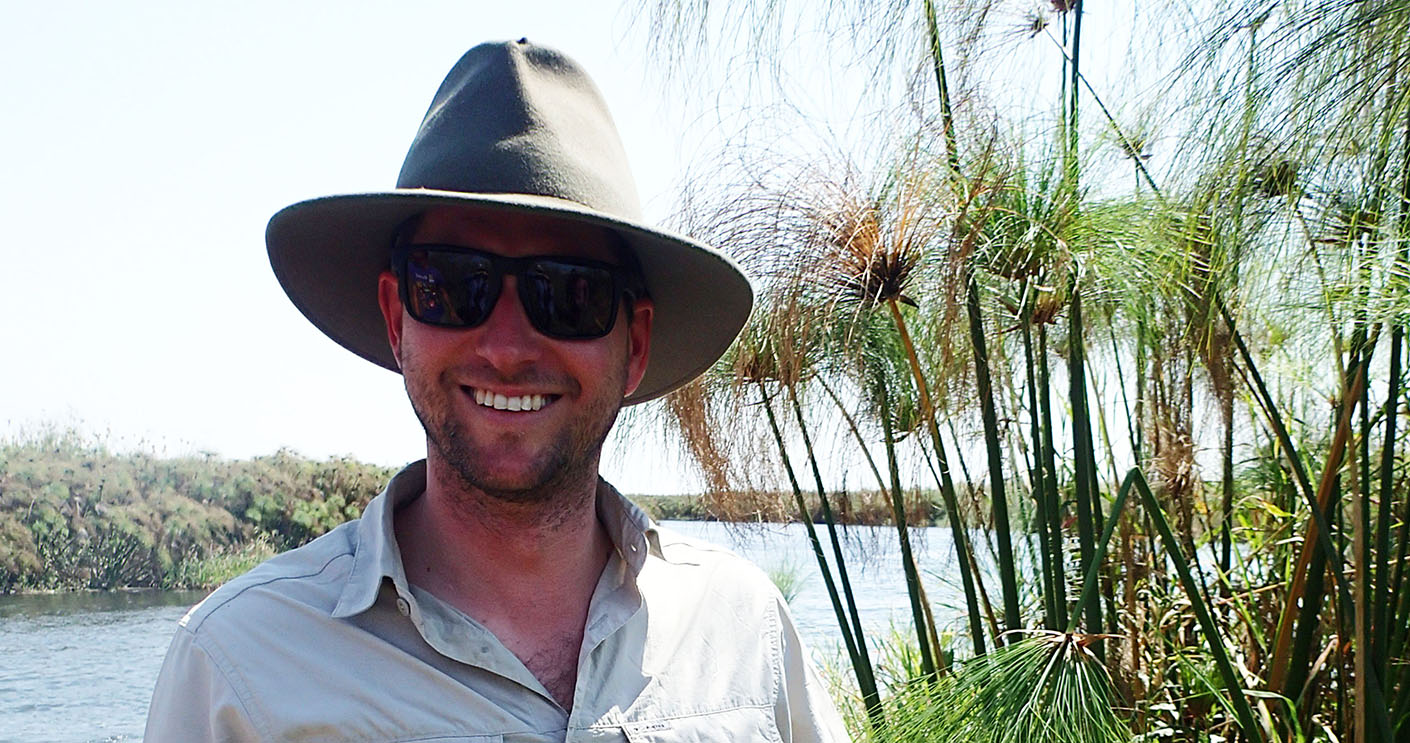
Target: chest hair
[554,663]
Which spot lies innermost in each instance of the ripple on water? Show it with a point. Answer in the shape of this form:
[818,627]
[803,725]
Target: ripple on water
[80,667]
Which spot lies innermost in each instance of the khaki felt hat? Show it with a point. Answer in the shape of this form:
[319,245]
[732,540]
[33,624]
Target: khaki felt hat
[515,127]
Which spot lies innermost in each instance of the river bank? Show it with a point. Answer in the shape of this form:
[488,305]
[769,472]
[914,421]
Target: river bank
[76,516]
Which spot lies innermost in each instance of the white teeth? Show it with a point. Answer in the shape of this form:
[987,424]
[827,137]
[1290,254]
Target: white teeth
[504,402]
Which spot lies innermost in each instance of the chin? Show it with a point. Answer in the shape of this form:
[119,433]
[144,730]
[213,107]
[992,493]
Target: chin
[527,479]
[537,467]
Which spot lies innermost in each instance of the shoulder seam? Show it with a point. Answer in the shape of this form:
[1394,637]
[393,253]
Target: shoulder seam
[205,613]
[226,670]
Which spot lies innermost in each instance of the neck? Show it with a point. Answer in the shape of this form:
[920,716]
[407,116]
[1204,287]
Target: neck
[482,551]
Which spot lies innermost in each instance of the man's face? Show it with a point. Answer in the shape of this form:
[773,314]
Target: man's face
[454,375]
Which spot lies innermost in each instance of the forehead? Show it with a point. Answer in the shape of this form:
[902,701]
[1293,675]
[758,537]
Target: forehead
[514,233]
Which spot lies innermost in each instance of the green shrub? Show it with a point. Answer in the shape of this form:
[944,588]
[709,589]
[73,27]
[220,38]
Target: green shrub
[75,515]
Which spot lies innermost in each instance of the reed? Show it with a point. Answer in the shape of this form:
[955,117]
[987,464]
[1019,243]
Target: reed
[980,270]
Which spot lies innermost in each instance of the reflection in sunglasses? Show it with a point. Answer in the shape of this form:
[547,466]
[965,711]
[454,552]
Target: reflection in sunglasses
[430,298]
[542,291]
[578,292]
[567,298]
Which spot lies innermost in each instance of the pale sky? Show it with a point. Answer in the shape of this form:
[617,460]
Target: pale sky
[144,146]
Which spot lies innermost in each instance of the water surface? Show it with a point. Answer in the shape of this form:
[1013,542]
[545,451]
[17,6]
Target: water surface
[79,668]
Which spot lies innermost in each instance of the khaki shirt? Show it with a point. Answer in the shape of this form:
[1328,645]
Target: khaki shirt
[329,642]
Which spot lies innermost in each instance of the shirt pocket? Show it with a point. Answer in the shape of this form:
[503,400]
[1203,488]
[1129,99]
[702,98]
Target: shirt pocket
[738,724]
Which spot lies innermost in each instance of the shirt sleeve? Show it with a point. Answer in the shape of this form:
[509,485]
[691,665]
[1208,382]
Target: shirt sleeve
[193,701]
[807,713]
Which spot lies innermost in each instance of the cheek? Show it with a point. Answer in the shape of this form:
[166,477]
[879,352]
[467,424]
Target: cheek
[597,366]
[617,366]
[425,349]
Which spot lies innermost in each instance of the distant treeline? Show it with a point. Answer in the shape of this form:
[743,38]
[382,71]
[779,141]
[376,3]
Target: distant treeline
[75,515]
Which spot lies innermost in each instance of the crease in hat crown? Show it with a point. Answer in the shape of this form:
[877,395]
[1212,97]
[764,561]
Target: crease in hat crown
[539,125]
[513,127]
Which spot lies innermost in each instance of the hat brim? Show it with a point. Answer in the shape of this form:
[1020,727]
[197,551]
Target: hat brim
[328,252]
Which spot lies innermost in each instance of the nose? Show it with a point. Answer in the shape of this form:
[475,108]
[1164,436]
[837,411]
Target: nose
[507,340]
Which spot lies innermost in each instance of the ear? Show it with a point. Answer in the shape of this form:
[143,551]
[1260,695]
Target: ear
[389,299]
[639,342]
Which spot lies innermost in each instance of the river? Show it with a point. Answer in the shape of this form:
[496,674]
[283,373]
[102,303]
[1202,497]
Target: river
[78,668]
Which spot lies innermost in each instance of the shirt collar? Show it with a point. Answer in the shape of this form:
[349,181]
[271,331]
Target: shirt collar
[376,556]
[629,528]
[375,553]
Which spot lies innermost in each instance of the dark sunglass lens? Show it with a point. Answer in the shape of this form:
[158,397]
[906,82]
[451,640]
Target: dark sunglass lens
[425,288]
[567,300]
[450,288]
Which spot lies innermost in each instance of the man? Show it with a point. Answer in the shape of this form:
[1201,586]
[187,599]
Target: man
[500,590]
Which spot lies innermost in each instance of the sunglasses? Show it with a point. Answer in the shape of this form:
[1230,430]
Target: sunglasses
[565,298]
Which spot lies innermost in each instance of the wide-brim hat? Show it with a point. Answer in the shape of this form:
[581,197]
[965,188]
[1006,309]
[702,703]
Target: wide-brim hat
[515,127]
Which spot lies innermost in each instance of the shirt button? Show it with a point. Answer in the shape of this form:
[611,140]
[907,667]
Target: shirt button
[403,607]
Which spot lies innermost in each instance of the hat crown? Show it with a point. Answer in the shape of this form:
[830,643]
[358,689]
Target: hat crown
[512,117]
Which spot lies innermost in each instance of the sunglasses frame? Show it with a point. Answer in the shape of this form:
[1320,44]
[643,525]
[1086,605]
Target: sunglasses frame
[625,283]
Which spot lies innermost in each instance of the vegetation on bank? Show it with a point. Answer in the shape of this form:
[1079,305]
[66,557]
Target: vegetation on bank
[75,515]
[1142,322]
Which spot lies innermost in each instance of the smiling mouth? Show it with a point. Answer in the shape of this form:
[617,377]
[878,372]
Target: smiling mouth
[527,403]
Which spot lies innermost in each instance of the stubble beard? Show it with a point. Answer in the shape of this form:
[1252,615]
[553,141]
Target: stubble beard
[563,469]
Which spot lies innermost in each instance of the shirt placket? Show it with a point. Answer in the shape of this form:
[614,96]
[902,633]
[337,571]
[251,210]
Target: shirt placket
[455,635]
[596,715]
